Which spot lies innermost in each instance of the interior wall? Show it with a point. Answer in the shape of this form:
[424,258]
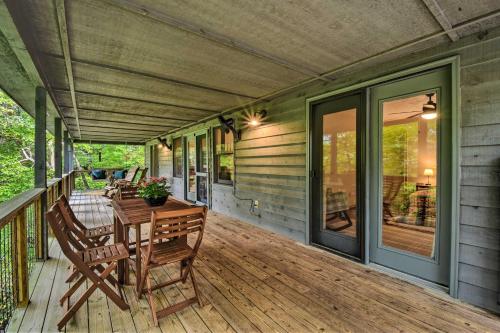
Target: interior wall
[271,160]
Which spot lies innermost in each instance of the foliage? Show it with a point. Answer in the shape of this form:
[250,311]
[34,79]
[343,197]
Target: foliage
[96,156]
[17,145]
[105,156]
[154,188]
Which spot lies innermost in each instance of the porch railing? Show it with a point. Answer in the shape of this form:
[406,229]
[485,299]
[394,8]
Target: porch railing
[21,242]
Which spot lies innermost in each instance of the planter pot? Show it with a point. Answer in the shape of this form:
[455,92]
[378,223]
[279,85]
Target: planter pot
[156,201]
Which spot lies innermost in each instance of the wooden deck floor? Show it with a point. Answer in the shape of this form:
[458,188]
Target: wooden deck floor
[252,280]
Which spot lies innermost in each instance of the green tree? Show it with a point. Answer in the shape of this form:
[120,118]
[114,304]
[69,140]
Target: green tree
[17,134]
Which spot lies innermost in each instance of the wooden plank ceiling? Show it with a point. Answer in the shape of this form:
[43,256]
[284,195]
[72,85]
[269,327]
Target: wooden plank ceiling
[123,70]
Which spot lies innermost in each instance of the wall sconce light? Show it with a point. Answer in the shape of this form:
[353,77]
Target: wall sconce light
[164,143]
[257,118]
[228,125]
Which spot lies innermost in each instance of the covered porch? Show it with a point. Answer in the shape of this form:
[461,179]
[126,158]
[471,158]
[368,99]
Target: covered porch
[348,154]
[252,280]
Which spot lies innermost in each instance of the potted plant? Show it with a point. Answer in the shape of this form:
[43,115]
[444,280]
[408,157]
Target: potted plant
[154,191]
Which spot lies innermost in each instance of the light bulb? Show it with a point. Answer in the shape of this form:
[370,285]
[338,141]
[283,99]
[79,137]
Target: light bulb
[254,122]
[429,115]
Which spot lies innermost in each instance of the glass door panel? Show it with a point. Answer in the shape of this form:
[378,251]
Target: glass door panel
[410,187]
[191,169]
[409,163]
[339,172]
[336,147]
[202,168]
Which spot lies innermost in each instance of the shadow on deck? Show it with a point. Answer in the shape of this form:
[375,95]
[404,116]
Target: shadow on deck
[252,280]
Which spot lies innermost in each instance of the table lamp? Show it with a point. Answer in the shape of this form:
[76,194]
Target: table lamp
[428,173]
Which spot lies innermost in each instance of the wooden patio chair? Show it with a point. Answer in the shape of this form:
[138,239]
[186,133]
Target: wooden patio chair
[392,186]
[127,192]
[97,235]
[168,244]
[95,264]
[140,175]
[131,174]
[87,237]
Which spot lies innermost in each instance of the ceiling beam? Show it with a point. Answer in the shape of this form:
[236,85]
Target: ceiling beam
[63,36]
[115,133]
[137,114]
[440,17]
[202,32]
[112,129]
[134,99]
[114,124]
[105,142]
[25,30]
[86,134]
[153,76]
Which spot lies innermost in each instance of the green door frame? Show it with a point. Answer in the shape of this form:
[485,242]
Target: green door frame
[454,63]
[206,132]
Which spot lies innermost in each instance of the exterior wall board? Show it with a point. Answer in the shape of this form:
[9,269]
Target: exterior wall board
[271,160]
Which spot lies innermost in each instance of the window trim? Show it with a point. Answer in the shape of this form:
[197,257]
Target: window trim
[216,179]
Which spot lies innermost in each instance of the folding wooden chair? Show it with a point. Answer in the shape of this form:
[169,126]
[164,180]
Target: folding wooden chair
[89,262]
[168,244]
[97,235]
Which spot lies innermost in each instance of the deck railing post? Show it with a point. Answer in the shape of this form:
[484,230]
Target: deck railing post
[41,162]
[38,228]
[20,244]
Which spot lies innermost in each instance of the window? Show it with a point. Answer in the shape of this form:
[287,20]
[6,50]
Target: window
[224,158]
[177,150]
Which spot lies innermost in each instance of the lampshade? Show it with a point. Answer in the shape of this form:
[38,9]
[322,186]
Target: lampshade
[428,172]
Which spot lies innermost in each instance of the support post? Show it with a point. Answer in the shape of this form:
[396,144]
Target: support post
[41,162]
[67,169]
[57,148]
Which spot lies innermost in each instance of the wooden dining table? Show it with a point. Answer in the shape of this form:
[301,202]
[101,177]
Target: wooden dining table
[132,213]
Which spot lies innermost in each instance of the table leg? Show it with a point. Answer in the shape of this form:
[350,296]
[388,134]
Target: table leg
[126,269]
[118,238]
[138,269]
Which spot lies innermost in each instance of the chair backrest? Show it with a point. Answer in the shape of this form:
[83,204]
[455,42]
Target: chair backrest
[77,228]
[140,176]
[65,235]
[131,174]
[169,225]
[392,185]
[126,192]
[65,206]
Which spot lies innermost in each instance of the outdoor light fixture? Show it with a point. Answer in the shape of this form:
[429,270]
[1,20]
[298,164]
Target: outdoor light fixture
[228,125]
[256,119]
[164,143]
[429,109]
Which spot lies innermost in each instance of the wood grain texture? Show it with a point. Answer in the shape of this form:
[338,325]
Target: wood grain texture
[251,280]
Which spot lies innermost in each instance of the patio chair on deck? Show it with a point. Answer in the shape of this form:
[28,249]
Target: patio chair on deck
[168,244]
[87,237]
[127,192]
[140,175]
[94,263]
[392,185]
[126,181]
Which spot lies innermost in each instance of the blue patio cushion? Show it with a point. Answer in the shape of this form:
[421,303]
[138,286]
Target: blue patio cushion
[98,174]
[120,174]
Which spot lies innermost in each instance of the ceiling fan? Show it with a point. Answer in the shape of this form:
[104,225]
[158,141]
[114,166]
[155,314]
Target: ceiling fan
[428,109]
